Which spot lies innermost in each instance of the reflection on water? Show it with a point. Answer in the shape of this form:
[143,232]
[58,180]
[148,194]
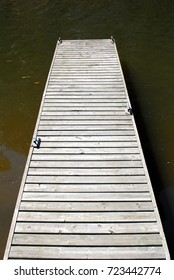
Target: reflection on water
[145,39]
[11,166]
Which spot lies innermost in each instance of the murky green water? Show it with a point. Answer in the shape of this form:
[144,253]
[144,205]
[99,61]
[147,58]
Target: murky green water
[145,39]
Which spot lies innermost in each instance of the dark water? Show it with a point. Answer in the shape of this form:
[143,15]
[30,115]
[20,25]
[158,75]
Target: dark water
[145,39]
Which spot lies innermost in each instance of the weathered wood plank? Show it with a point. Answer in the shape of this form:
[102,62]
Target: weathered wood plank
[86,83]
[86,104]
[87,240]
[80,90]
[86,127]
[83,197]
[83,122]
[120,150]
[83,74]
[86,87]
[85,108]
[85,132]
[90,139]
[88,144]
[88,228]
[95,79]
[86,217]
[86,157]
[86,187]
[102,114]
[54,99]
[86,171]
[84,179]
[86,122]
[83,98]
[87,206]
[28,252]
[86,164]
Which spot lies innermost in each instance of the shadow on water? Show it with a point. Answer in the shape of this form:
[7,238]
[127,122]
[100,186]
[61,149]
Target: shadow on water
[162,194]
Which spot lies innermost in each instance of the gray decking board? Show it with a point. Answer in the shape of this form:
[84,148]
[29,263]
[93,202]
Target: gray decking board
[86,192]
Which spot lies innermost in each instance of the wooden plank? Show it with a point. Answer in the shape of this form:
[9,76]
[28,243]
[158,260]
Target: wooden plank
[28,252]
[91,114]
[80,90]
[90,139]
[84,108]
[86,127]
[102,72]
[87,206]
[76,98]
[85,133]
[66,55]
[95,68]
[83,197]
[86,60]
[130,150]
[54,99]
[84,77]
[86,164]
[86,157]
[49,116]
[86,187]
[90,228]
[83,74]
[86,171]
[84,82]
[86,217]
[87,144]
[86,87]
[87,240]
[85,104]
[84,179]
[83,122]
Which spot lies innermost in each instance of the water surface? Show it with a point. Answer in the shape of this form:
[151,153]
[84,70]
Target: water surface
[145,39]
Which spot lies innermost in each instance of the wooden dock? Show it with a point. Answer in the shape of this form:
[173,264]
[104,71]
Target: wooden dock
[86,192]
